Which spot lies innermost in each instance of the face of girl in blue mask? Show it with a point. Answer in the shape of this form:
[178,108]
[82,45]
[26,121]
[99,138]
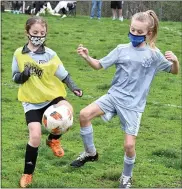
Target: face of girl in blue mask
[138,32]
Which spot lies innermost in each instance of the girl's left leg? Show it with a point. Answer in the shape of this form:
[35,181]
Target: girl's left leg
[130,154]
[52,140]
[129,160]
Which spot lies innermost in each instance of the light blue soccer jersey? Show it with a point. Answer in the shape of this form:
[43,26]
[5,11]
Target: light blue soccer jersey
[135,70]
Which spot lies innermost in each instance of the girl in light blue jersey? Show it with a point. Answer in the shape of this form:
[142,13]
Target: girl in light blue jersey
[136,65]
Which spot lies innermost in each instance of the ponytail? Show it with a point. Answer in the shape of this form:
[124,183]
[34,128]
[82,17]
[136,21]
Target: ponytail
[153,26]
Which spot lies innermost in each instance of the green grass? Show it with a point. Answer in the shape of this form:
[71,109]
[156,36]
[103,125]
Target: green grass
[158,162]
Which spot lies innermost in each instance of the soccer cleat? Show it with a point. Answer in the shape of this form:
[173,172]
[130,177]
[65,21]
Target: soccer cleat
[25,180]
[55,145]
[83,158]
[125,181]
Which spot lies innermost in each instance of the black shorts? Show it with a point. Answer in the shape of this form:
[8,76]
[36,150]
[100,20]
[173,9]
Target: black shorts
[116,4]
[36,115]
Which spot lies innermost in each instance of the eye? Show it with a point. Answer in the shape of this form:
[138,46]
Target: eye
[43,33]
[34,33]
[140,32]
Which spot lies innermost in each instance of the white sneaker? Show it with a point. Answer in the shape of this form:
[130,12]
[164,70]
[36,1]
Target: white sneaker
[64,15]
[125,181]
[113,18]
[121,19]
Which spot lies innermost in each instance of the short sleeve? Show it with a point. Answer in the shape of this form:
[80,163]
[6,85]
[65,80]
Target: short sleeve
[61,72]
[163,63]
[110,59]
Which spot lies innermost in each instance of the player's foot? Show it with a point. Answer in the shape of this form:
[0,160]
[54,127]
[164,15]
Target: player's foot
[125,181]
[64,15]
[83,158]
[25,180]
[55,145]
[121,19]
[113,18]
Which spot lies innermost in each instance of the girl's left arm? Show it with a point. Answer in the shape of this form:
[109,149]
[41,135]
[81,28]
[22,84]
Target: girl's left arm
[62,74]
[170,56]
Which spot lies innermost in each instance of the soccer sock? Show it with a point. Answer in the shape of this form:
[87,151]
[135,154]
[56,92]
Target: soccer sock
[51,136]
[128,165]
[87,137]
[30,159]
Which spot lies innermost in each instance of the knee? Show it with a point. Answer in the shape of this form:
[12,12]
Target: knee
[129,147]
[84,115]
[35,139]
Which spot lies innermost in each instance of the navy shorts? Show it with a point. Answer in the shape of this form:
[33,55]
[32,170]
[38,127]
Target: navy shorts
[116,4]
[36,115]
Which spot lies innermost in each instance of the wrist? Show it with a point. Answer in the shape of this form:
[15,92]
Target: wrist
[87,58]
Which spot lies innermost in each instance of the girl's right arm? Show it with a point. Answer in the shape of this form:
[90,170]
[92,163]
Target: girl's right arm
[18,77]
[94,63]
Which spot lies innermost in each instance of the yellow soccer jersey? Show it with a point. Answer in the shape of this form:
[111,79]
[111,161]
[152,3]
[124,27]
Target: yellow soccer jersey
[42,85]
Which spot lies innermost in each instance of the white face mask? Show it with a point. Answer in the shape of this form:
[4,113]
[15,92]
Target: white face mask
[37,40]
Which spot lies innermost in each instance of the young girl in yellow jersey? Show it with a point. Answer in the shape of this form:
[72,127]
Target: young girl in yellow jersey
[41,76]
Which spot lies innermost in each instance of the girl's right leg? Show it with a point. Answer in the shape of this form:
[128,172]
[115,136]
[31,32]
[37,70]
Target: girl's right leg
[86,132]
[31,153]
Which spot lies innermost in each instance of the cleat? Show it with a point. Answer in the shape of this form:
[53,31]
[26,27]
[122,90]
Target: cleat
[125,181]
[25,180]
[55,145]
[83,158]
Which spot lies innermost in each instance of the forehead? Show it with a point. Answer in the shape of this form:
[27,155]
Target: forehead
[138,25]
[38,26]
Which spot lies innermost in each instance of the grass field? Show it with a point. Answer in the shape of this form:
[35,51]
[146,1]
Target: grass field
[158,163]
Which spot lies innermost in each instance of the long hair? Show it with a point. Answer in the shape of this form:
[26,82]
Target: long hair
[151,18]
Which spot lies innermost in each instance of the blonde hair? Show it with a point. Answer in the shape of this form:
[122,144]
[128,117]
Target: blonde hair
[151,18]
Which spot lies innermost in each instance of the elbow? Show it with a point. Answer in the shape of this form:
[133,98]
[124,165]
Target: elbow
[175,72]
[96,68]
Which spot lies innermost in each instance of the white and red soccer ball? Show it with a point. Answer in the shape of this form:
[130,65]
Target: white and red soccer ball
[57,119]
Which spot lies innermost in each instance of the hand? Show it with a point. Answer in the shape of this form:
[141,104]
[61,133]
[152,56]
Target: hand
[22,77]
[78,92]
[82,51]
[171,56]
[26,72]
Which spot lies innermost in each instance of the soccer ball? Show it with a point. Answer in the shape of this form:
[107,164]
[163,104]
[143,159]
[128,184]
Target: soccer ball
[57,119]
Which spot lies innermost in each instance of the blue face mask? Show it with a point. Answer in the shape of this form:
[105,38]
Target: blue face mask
[136,39]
